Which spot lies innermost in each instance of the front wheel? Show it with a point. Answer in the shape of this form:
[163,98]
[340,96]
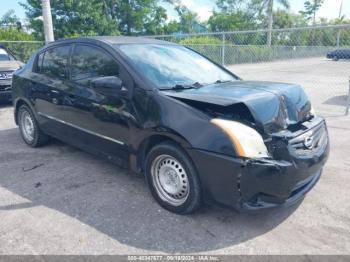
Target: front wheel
[172,179]
[29,128]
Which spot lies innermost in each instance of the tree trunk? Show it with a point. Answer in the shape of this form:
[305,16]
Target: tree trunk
[270,23]
[47,20]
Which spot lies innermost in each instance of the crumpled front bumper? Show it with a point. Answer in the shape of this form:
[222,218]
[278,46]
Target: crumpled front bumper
[253,184]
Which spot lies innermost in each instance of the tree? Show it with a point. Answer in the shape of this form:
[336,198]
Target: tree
[133,15]
[231,21]
[72,18]
[245,14]
[233,15]
[188,19]
[311,8]
[9,19]
[98,17]
[228,6]
[283,19]
[155,25]
[172,27]
[269,11]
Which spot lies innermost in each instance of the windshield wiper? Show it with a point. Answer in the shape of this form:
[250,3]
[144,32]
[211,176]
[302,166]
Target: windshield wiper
[182,87]
[222,81]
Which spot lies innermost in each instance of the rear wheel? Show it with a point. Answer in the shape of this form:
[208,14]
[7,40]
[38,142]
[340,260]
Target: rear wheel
[29,128]
[172,179]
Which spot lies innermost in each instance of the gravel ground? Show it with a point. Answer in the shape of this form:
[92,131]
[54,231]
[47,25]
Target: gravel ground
[60,200]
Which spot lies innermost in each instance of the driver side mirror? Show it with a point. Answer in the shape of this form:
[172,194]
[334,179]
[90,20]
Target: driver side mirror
[109,85]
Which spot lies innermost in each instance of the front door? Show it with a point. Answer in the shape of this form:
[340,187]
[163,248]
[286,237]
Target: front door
[99,121]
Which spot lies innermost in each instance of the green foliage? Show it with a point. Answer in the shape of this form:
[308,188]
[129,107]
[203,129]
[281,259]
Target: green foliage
[201,41]
[12,34]
[95,17]
[188,19]
[72,17]
[311,8]
[139,16]
[172,27]
[22,50]
[155,23]
[284,19]
[231,21]
[9,19]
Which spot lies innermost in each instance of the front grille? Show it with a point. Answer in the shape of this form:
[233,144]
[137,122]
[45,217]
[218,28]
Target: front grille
[6,75]
[311,142]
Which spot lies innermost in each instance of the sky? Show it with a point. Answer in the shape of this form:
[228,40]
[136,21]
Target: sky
[330,8]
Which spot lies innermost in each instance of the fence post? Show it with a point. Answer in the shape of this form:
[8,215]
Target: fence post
[223,50]
[348,101]
[338,38]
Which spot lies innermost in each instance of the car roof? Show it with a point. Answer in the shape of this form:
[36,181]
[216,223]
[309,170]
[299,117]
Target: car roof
[113,40]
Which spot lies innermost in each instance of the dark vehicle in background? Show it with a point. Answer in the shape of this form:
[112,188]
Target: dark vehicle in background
[8,64]
[195,130]
[339,54]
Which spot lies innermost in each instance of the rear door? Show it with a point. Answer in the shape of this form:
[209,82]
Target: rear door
[98,120]
[49,81]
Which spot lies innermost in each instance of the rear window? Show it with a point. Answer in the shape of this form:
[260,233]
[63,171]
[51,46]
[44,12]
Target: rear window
[54,62]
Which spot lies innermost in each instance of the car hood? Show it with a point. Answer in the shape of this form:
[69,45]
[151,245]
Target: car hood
[274,106]
[9,65]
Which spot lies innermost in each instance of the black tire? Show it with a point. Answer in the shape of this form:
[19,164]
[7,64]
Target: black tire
[194,195]
[39,138]
[335,58]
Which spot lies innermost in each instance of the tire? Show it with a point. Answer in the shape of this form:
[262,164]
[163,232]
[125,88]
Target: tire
[335,58]
[173,179]
[30,131]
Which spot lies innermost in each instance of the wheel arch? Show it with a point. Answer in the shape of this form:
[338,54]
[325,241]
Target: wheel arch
[151,141]
[18,103]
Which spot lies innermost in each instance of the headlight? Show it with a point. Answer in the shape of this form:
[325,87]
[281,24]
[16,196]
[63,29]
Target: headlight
[312,111]
[247,141]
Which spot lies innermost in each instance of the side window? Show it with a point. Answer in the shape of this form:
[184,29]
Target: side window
[54,62]
[89,63]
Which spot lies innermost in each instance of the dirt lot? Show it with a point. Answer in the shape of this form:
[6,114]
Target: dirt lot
[59,200]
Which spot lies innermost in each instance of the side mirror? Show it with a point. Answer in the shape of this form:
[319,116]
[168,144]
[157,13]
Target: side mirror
[109,85]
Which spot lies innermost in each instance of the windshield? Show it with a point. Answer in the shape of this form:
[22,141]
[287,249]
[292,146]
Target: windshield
[168,66]
[4,56]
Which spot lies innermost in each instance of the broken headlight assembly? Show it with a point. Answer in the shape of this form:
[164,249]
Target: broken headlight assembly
[247,142]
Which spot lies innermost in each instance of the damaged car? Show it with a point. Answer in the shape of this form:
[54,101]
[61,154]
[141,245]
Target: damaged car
[196,131]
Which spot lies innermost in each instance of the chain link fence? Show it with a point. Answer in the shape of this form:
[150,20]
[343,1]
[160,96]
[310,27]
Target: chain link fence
[296,55]
[22,49]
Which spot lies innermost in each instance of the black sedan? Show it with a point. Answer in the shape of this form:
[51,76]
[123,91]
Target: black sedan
[194,129]
[339,54]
